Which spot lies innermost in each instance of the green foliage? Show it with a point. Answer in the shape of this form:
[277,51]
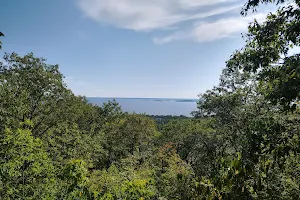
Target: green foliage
[252,4]
[269,52]
[31,89]
[261,135]
[129,135]
[243,142]
[138,189]
[114,183]
[194,140]
[75,174]
[26,172]
[175,178]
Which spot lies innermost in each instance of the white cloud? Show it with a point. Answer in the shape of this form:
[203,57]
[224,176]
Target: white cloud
[145,15]
[69,80]
[180,35]
[210,31]
[223,28]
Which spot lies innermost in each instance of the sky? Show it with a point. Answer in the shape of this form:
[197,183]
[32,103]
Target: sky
[129,48]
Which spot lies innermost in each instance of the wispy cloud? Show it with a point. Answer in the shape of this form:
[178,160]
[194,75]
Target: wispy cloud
[210,31]
[143,15]
[69,80]
[149,15]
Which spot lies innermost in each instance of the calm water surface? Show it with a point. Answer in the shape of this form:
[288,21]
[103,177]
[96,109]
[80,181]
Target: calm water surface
[152,106]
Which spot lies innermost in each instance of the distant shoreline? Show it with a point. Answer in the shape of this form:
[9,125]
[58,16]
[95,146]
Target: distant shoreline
[154,99]
[151,106]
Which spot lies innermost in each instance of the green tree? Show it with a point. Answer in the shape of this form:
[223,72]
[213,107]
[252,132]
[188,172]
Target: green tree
[264,138]
[122,183]
[26,172]
[75,174]
[129,135]
[31,89]
[69,126]
[174,177]
[270,51]
[194,140]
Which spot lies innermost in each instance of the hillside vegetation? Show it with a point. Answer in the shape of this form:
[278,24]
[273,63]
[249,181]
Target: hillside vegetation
[242,143]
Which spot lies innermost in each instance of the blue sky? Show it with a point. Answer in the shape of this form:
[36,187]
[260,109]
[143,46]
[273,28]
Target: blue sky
[129,48]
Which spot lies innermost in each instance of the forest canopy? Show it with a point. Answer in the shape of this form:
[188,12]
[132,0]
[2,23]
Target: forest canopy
[242,142]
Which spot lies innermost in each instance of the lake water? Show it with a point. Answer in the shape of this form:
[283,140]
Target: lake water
[152,106]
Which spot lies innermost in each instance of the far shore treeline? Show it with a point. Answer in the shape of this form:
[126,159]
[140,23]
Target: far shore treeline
[242,143]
